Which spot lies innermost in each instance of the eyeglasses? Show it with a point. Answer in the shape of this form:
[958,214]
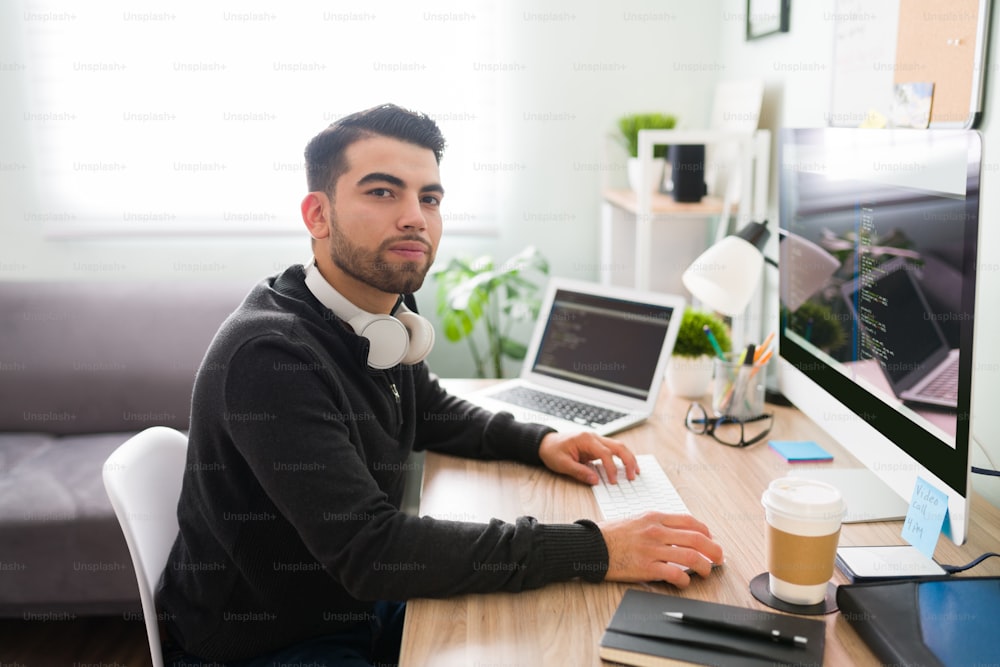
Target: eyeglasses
[728,430]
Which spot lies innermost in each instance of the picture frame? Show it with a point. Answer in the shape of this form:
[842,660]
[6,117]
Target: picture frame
[767,17]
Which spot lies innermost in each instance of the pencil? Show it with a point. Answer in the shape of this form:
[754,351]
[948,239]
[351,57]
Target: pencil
[715,343]
[763,346]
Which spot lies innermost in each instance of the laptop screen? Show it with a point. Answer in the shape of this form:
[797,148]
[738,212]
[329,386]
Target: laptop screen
[603,342]
[895,324]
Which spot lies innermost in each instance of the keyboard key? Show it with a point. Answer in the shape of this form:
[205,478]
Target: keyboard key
[558,406]
[651,490]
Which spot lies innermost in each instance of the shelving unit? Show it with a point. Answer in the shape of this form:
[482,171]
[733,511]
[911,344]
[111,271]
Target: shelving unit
[682,230]
[628,218]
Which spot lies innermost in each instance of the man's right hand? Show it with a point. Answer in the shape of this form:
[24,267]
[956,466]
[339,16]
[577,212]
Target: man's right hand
[657,547]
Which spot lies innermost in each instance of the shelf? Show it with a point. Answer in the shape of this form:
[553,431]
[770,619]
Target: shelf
[664,204]
[750,160]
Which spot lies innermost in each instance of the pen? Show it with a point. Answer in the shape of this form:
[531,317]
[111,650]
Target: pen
[715,343]
[747,631]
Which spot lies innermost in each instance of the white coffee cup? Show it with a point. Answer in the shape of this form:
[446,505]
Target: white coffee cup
[803,518]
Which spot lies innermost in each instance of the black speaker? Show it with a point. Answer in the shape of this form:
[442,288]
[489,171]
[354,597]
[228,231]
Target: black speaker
[687,171]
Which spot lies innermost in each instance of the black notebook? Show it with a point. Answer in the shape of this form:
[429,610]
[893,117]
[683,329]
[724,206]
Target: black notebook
[940,621]
[640,634]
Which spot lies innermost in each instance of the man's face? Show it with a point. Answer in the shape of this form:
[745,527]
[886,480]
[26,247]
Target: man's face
[385,223]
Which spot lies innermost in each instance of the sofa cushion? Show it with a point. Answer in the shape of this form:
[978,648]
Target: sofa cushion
[59,538]
[100,357]
[49,478]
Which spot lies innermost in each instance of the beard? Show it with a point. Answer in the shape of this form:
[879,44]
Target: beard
[369,267]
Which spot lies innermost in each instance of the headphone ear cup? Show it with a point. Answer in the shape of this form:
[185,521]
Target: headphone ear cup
[421,337]
[387,339]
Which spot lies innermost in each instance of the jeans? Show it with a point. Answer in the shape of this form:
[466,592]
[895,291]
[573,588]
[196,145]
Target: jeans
[373,644]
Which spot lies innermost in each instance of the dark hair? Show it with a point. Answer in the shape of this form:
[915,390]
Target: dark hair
[325,152]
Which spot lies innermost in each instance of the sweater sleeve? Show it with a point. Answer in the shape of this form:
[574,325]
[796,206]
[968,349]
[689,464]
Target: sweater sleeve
[318,480]
[451,425]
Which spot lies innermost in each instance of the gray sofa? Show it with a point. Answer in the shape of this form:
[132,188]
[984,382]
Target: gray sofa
[83,366]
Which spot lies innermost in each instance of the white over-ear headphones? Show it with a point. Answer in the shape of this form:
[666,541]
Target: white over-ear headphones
[401,338]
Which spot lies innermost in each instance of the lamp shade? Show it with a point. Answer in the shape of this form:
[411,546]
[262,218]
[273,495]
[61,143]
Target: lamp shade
[725,276]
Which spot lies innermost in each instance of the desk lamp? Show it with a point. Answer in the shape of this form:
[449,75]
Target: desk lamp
[725,276]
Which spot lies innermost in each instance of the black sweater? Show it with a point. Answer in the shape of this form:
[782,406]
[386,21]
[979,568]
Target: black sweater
[289,514]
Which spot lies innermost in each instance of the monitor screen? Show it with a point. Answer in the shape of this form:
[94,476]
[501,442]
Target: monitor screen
[582,328]
[878,252]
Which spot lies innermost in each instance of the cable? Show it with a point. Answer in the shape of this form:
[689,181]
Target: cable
[952,569]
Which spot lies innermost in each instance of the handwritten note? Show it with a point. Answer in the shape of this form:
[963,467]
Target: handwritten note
[925,518]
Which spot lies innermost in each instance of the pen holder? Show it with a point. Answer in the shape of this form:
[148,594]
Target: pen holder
[738,390]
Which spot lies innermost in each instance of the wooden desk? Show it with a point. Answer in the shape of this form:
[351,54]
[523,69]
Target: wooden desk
[561,624]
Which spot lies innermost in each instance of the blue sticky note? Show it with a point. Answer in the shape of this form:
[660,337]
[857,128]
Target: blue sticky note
[926,516]
[800,450]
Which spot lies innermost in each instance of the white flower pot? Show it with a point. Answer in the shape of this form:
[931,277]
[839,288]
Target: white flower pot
[654,178]
[689,377]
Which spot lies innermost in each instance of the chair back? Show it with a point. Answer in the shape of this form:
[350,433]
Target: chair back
[143,481]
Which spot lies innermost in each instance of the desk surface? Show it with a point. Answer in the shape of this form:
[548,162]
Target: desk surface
[561,624]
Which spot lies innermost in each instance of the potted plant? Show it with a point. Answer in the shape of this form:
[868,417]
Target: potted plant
[689,372]
[479,291]
[628,128]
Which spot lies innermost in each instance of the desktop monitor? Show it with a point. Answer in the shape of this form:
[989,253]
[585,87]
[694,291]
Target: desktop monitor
[877,291]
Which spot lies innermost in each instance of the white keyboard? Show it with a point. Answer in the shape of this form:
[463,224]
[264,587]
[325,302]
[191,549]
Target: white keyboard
[650,490]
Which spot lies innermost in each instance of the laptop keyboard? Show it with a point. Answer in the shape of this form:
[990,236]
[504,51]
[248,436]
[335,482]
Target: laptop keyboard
[943,386]
[557,406]
[651,490]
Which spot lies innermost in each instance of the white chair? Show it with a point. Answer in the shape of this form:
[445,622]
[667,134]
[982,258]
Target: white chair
[143,480]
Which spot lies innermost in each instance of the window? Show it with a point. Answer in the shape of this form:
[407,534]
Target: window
[189,118]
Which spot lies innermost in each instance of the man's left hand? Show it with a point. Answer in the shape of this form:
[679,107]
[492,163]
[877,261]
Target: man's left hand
[569,454]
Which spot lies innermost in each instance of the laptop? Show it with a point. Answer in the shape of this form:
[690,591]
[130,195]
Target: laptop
[596,358]
[899,328]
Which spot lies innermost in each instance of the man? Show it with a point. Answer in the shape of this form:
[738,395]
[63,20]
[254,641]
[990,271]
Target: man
[292,545]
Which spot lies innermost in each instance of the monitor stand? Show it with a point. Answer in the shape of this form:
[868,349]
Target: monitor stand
[868,497]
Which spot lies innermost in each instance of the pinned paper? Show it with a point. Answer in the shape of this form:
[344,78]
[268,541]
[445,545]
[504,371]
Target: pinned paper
[925,518]
[911,105]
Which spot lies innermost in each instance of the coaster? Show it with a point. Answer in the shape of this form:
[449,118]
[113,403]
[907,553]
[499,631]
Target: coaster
[760,589]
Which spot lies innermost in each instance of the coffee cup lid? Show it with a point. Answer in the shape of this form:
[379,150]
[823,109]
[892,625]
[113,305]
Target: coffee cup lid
[804,498]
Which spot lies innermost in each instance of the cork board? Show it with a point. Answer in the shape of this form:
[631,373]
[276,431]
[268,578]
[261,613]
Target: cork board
[937,43]
[909,42]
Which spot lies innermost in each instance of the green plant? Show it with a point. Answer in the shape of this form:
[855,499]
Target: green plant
[691,338]
[819,325]
[469,292]
[630,124]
